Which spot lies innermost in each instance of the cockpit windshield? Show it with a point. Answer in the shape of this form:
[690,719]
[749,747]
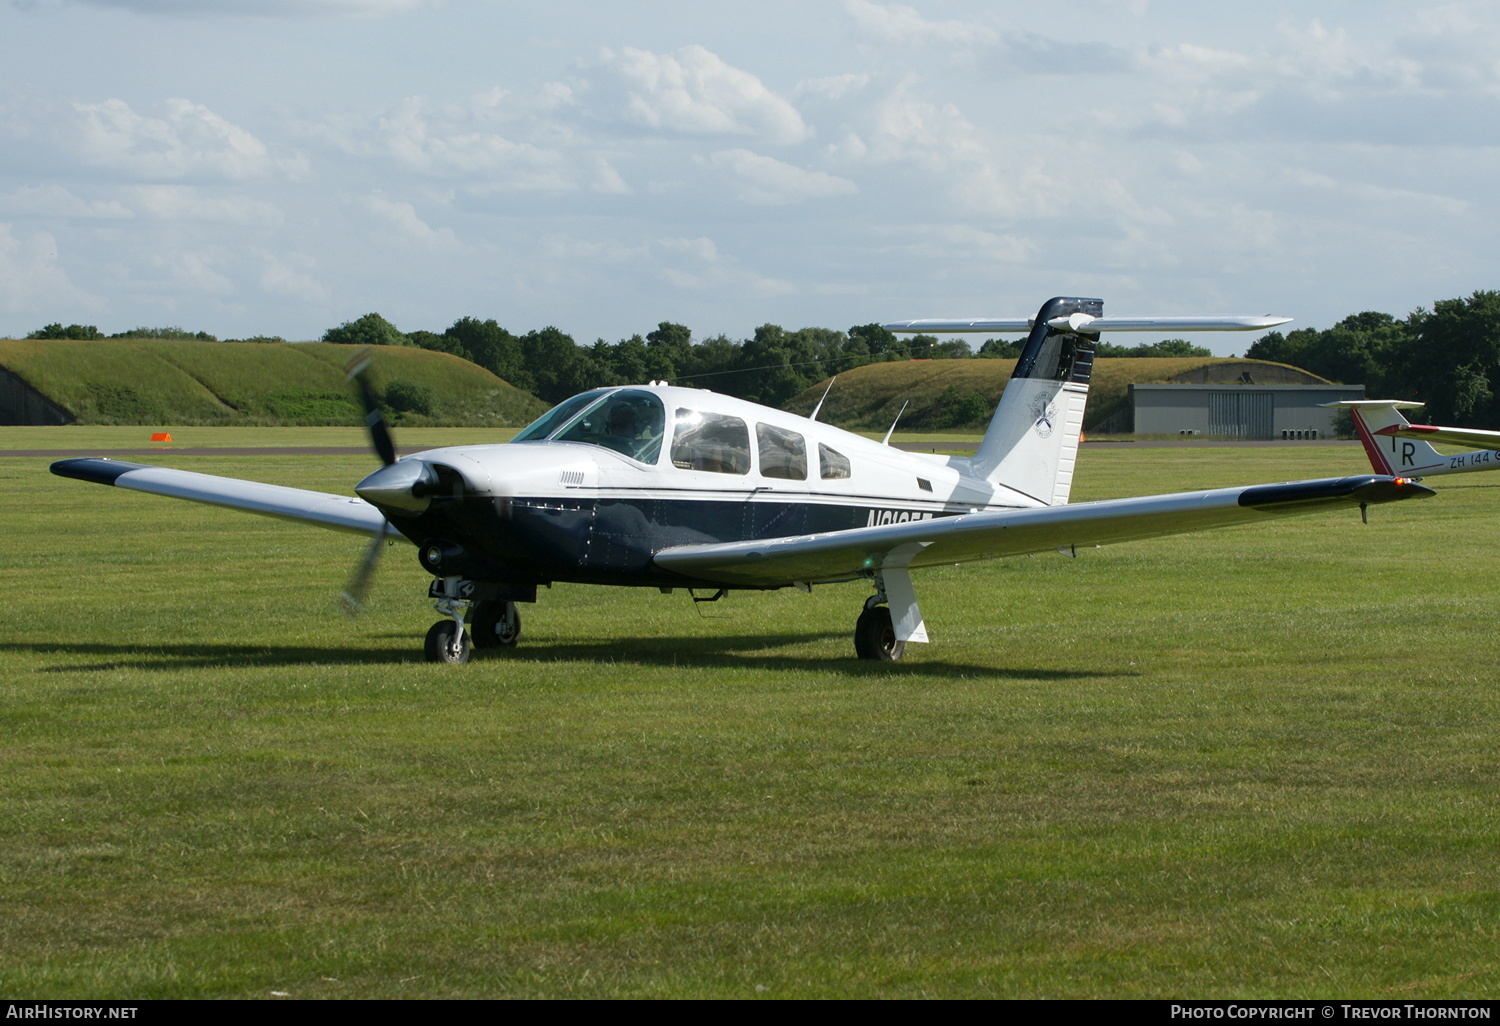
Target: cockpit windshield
[557,416]
[628,421]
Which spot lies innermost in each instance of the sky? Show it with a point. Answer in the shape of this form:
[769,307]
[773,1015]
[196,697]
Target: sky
[278,167]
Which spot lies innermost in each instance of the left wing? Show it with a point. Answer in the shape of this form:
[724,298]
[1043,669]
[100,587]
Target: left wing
[341,512]
[842,555]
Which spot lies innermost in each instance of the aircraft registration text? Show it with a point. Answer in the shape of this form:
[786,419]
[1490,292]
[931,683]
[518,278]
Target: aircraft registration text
[881,517]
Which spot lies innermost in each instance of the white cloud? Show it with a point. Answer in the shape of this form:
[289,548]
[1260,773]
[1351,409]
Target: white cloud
[957,156]
[56,201]
[290,276]
[190,140]
[187,203]
[30,278]
[765,180]
[708,269]
[833,87]
[566,249]
[964,243]
[188,271]
[269,8]
[408,227]
[607,180]
[896,23]
[693,91]
[453,141]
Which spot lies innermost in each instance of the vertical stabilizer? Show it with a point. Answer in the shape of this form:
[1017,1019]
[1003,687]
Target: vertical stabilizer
[1387,437]
[1031,444]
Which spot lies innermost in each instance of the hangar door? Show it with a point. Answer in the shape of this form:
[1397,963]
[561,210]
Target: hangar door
[1240,414]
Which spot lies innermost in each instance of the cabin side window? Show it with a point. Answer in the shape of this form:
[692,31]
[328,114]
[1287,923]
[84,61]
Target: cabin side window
[832,464]
[783,453]
[710,441]
[628,422]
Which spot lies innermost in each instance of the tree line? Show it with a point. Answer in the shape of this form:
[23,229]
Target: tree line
[770,367]
[91,332]
[1447,357]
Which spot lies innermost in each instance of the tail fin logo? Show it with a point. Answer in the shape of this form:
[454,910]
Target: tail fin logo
[1044,412]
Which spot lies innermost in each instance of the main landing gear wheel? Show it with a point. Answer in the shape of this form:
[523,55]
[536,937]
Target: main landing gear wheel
[446,645]
[875,635]
[495,624]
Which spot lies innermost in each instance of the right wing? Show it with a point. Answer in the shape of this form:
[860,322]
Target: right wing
[843,555]
[341,512]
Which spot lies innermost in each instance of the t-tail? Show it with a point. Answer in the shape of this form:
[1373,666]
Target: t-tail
[1400,448]
[1031,445]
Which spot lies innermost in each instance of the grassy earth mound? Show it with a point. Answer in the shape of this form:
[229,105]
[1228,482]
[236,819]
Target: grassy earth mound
[948,394]
[156,381]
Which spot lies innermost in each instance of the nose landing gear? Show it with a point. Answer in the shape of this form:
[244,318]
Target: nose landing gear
[477,615]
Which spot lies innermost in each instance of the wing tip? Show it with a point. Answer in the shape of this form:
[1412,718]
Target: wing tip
[95,469]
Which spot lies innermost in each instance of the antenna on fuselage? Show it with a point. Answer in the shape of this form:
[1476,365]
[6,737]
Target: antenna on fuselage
[814,414]
[887,439]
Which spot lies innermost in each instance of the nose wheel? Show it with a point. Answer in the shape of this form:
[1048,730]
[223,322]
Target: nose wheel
[448,642]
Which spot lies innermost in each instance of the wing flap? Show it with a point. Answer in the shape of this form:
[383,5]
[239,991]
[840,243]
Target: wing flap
[844,555]
[340,512]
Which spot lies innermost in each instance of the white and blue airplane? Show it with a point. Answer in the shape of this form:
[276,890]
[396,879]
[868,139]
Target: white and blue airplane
[681,488]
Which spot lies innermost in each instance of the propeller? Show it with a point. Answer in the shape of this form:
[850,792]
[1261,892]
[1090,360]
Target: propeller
[353,596]
[380,431]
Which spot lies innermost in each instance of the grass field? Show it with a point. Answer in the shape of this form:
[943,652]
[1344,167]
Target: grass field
[1254,762]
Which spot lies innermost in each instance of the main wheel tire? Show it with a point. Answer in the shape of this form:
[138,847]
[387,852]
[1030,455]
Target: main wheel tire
[875,636]
[445,645]
[495,624]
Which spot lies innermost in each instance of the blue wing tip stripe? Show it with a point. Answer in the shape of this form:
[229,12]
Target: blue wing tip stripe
[98,469]
[1369,488]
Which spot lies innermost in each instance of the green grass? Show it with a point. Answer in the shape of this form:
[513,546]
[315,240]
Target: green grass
[129,381]
[1250,763]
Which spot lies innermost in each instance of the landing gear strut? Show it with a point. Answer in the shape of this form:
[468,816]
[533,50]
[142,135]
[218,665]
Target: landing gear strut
[875,634]
[471,621]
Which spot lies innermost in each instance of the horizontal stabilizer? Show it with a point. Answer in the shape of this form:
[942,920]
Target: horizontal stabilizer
[1353,404]
[1081,322]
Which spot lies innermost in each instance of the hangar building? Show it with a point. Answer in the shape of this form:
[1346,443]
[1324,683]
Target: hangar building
[1241,410]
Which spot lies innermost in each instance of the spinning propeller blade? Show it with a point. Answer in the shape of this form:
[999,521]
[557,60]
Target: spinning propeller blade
[380,431]
[353,597]
[354,593]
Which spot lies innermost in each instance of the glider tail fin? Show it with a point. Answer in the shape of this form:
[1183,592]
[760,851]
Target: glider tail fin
[1373,419]
[1031,444]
